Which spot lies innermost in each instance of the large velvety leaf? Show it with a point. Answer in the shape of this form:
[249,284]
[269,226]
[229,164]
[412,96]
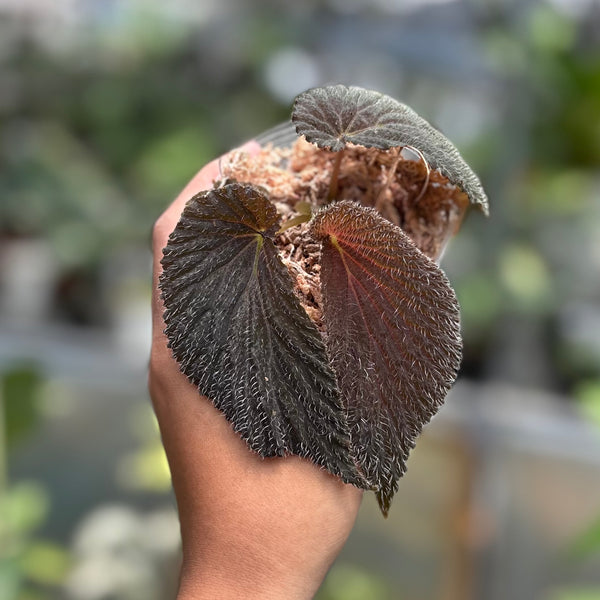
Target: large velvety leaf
[240,334]
[332,116]
[393,336]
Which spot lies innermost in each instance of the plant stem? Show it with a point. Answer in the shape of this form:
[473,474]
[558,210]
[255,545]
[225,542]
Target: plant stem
[379,203]
[427,173]
[297,220]
[333,184]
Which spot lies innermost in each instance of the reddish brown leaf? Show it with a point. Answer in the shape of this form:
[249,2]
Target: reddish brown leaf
[393,336]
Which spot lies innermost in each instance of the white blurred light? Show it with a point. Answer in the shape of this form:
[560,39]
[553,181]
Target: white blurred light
[574,8]
[117,553]
[109,576]
[106,529]
[28,269]
[289,72]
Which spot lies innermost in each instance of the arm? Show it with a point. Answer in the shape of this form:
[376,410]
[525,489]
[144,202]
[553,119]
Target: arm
[251,527]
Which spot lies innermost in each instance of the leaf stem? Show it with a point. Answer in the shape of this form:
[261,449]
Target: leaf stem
[428,169]
[333,184]
[390,176]
[297,220]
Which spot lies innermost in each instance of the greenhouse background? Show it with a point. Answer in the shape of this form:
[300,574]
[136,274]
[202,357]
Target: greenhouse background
[108,107]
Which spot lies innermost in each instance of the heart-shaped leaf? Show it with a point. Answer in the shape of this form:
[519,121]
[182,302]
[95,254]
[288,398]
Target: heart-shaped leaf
[393,336]
[333,116]
[240,334]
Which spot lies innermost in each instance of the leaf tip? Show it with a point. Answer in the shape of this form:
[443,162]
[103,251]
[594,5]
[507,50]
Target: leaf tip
[384,500]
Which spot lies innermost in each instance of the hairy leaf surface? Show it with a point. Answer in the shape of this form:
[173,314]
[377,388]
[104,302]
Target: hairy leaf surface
[393,336]
[240,334]
[332,116]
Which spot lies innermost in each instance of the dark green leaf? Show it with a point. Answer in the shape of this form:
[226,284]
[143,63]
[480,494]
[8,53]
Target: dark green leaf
[332,116]
[393,336]
[240,334]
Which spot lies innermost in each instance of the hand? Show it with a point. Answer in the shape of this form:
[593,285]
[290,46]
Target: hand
[251,527]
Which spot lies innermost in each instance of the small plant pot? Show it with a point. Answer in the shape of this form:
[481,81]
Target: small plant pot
[303,294]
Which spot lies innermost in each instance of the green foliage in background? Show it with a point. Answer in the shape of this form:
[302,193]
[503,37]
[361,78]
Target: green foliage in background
[350,582]
[94,153]
[575,593]
[30,566]
[19,388]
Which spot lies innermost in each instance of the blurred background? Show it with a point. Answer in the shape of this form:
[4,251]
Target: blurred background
[108,107]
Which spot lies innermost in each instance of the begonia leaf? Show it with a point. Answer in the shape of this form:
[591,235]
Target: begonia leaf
[240,334]
[336,115]
[393,336]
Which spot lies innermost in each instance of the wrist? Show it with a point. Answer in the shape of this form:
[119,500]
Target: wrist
[209,583]
[227,558]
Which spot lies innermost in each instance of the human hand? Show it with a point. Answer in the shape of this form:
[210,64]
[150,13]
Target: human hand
[251,527]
